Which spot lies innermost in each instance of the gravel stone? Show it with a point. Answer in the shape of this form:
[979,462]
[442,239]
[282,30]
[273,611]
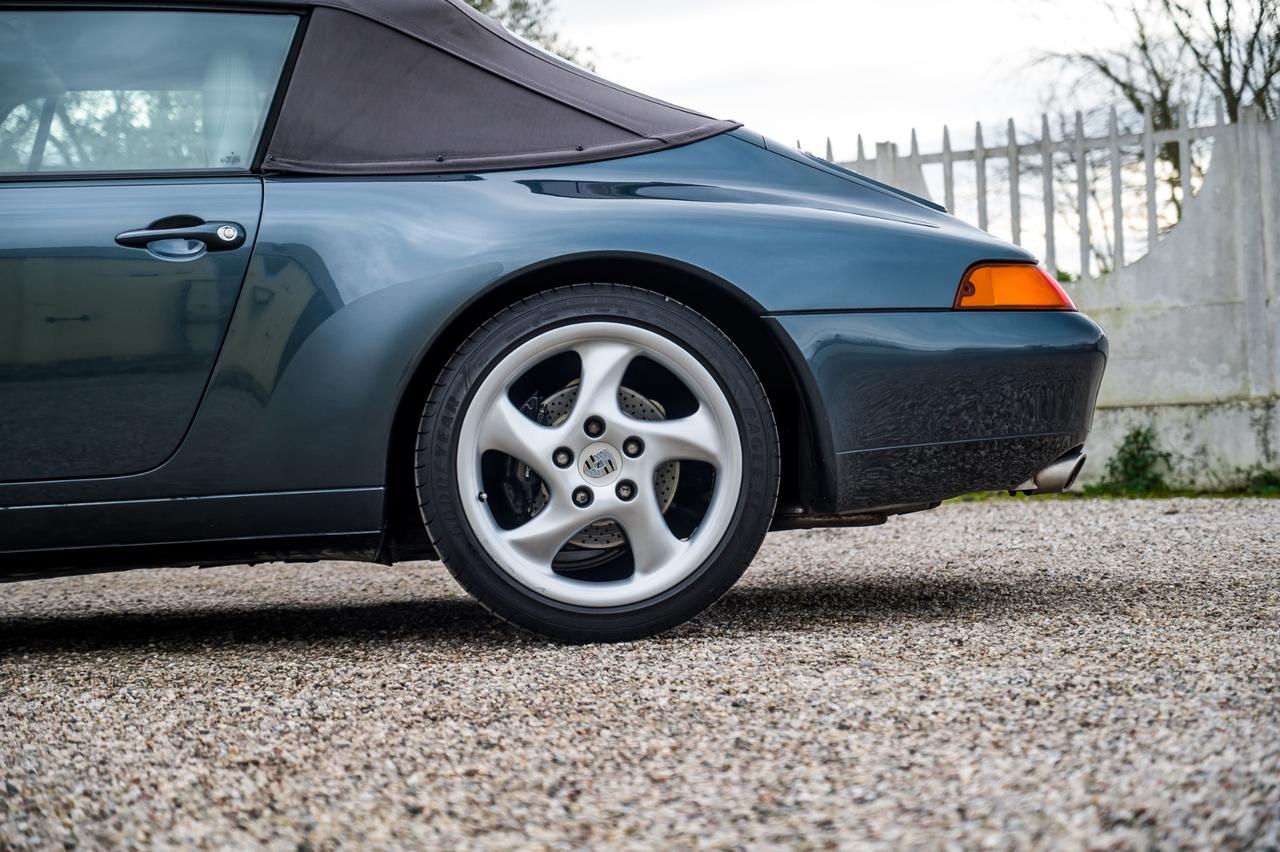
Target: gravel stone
[1029,673]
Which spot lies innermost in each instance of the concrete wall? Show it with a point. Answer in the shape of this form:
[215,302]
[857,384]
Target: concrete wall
[1193,325]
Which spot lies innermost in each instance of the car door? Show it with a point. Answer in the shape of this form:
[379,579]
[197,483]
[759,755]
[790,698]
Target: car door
[128,212]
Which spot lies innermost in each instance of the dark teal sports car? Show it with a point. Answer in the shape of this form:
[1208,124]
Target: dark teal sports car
[288,280]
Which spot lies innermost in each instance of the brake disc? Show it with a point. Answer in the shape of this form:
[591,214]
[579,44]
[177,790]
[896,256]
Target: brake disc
[554,410]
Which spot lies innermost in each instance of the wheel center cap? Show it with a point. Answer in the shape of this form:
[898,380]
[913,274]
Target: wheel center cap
[600,464]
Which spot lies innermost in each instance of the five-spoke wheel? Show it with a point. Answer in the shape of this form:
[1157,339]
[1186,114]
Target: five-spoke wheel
[611,463]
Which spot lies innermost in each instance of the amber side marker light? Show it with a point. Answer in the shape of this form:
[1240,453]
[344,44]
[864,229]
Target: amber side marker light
[1011,287]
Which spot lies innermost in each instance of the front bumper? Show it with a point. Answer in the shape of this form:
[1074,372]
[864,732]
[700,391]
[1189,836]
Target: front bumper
[914,407]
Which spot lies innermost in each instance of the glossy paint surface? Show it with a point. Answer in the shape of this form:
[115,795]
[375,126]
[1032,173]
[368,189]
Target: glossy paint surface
[903,378]
[925,406]
[351,280]
[105,350]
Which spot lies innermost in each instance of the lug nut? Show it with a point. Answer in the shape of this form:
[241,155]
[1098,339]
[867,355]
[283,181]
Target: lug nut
[626,491]
[633,447]
[582,497]
[594,427]
[562,457]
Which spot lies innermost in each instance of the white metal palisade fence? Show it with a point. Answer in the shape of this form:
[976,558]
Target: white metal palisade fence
[1032,156]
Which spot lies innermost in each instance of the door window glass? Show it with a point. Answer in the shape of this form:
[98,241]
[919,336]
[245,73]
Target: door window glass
[121,91]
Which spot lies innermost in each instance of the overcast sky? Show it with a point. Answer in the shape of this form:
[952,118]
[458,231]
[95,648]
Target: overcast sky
[809,69]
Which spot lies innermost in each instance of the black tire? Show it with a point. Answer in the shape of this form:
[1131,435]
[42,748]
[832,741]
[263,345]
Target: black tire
[457,543]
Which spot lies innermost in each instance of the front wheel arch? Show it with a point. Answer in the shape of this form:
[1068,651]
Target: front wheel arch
[807,462]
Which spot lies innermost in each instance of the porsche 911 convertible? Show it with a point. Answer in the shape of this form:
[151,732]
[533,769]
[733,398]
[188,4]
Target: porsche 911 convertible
[298,280]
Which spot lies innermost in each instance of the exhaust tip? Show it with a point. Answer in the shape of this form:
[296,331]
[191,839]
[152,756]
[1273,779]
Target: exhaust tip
[1057,477]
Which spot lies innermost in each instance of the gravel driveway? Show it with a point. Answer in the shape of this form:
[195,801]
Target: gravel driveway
[1006,673]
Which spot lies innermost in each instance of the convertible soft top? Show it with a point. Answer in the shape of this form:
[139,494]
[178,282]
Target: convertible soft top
[420,86]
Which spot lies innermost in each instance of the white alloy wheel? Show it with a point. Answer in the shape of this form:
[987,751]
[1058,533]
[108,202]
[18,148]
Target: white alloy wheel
[604,482]
[597,463]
